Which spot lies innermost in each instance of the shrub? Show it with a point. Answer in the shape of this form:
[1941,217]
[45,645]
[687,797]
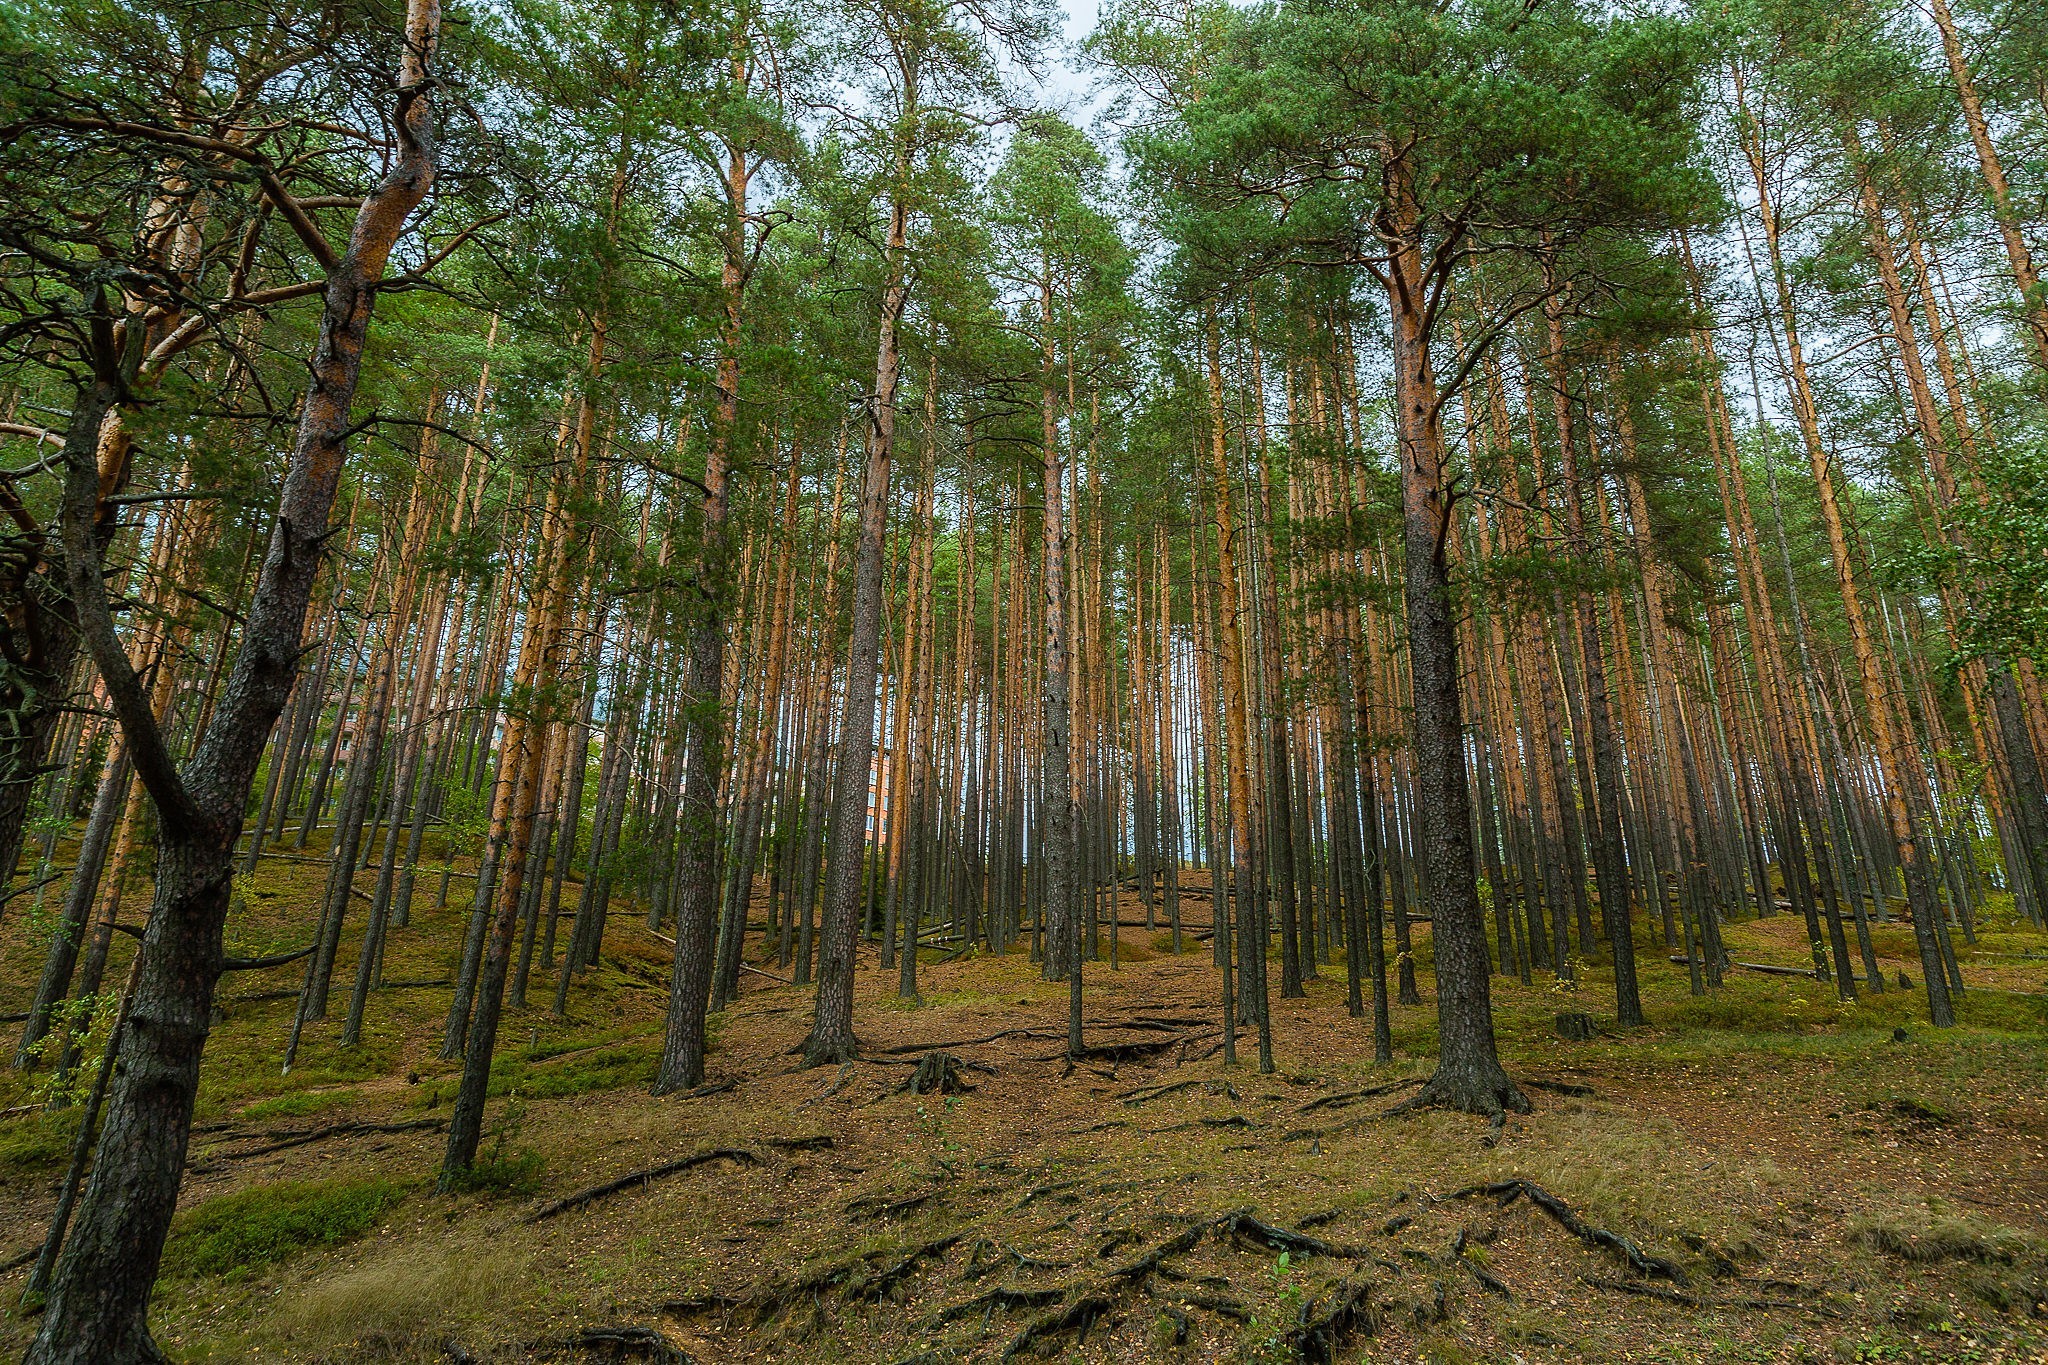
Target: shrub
[510,1173]
[242,1232]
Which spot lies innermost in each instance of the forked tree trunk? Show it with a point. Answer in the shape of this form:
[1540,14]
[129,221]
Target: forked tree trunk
[97,1311]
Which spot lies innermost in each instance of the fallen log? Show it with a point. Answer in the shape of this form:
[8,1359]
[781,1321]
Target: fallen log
[1766,967]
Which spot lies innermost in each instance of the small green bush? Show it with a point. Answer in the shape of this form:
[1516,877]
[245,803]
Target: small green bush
[508,1173]
[238,1233]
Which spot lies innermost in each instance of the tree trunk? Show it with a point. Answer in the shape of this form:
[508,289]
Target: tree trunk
[1469,1075]
[97,1311]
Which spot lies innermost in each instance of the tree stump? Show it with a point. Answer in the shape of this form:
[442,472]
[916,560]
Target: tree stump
[938,1073]
[1575,1026]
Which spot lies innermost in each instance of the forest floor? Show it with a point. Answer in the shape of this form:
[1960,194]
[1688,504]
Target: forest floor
[1785,1179]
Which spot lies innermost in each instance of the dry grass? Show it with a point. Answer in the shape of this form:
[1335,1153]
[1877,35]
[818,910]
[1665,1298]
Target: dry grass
[1933,1230]
[400,1297]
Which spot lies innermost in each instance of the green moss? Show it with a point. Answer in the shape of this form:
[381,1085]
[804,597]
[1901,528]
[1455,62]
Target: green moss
[301,1102]
[239,1233]
[606,1068]
[39,1143]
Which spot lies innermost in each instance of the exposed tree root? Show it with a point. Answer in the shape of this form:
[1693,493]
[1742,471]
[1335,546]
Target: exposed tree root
[905,1049]
[701,1303]
[815,1052]
[852,1277]
[934,1356]
[1480,1273]
[885,1282]
[1038,1192]
[1654,1291]
[1325,1326]
[1243,1225]
[1227,1121]
[1102,1127]
[1118,1052]
[1077,1317]
[332,1130]
[1002,1296]
[634,1179]
[838,1082]
[1066,1312]
[1135,1272]
[636,1343]
[1348,1097]
[1507,1191]
[977,1267]
[875,1206]
[1490,1099]
[1088,1302]
[1144,1094]
[1559,1087]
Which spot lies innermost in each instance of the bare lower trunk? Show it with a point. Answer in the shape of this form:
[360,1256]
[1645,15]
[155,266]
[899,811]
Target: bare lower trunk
[1469,1075]
[831,1038]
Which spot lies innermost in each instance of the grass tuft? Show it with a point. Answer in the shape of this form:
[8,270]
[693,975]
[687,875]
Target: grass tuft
[1939,1237]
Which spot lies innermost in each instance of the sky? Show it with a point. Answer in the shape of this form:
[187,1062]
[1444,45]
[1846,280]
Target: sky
[1066,84]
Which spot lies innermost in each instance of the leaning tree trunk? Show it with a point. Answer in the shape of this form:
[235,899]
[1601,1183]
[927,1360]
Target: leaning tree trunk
[97,1311]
